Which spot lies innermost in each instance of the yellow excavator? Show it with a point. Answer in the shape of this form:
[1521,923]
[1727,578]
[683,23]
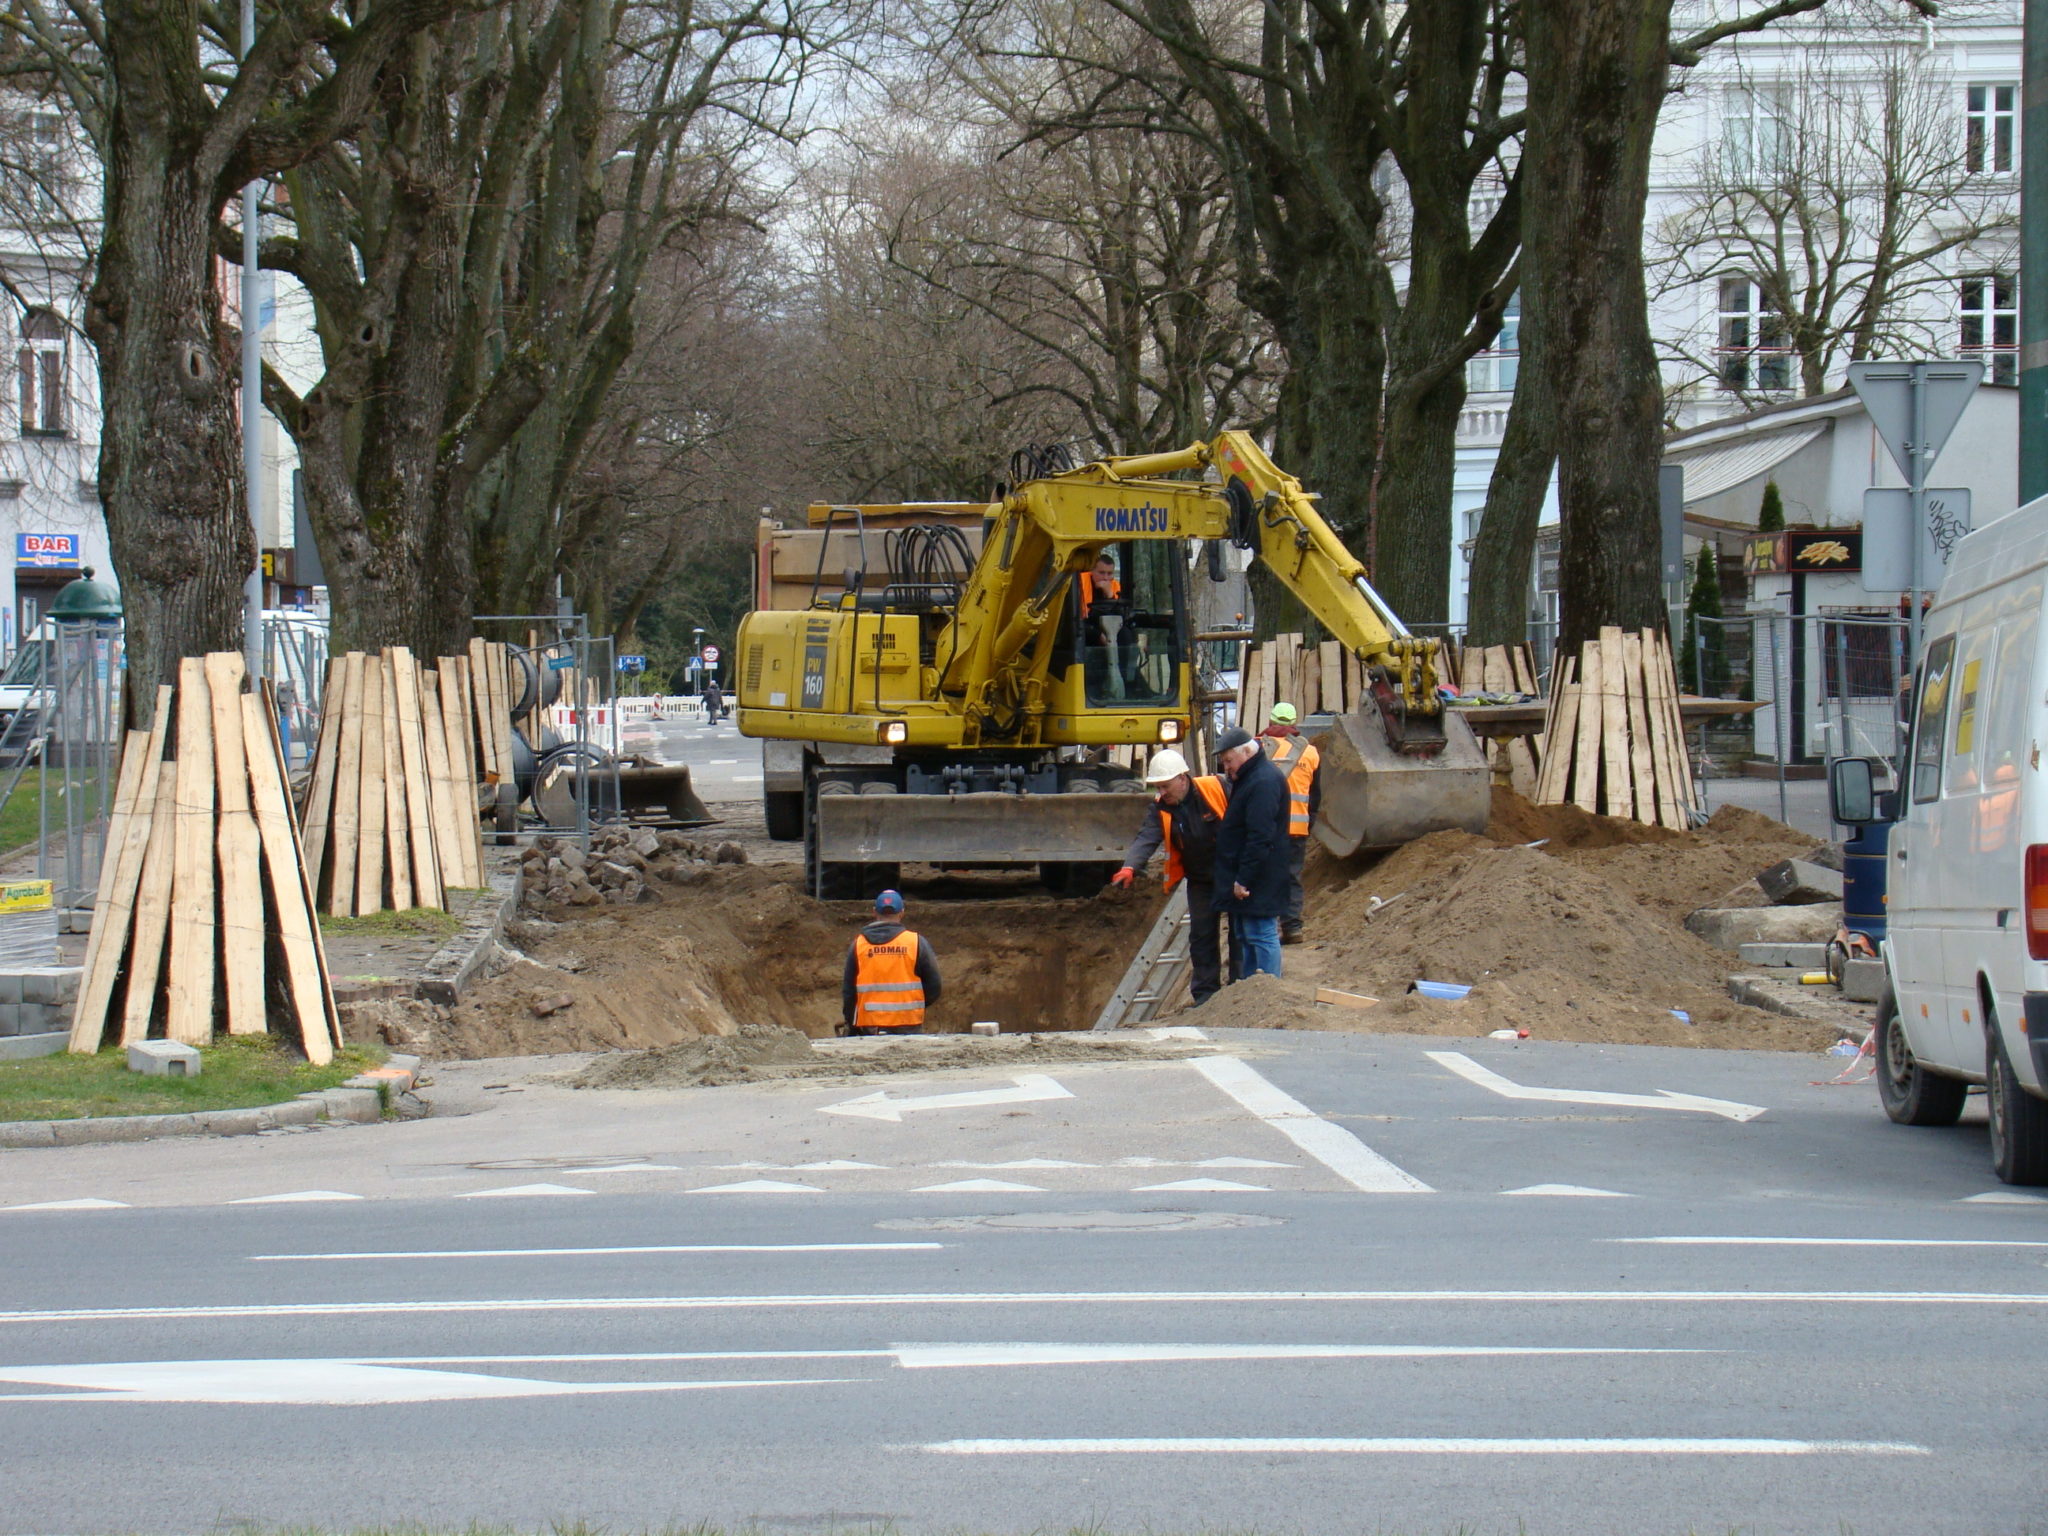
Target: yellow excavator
[952,711]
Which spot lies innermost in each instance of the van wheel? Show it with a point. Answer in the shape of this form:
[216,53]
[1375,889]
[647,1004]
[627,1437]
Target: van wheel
[2019,1121]
[1911,1094]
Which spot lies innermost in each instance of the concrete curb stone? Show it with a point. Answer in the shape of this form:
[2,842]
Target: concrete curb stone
[443,977]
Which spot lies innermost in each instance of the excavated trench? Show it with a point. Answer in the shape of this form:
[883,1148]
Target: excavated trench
[743,945]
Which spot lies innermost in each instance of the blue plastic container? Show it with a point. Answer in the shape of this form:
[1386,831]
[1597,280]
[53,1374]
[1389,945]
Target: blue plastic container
[1863,876]
[1442,991]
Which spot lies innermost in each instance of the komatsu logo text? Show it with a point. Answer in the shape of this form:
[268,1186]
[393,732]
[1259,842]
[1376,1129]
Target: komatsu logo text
[1145,519]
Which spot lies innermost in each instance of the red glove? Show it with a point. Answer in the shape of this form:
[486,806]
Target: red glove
[1123,877]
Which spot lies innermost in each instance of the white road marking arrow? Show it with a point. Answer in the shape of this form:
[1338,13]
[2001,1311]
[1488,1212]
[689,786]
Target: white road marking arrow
[1663,1098]
[879,1106]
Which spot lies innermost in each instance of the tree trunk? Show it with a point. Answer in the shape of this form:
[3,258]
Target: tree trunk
[1499,610]
[170,472]
[1596,73]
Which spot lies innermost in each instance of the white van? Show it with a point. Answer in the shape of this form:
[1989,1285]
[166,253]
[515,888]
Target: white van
[1966,914]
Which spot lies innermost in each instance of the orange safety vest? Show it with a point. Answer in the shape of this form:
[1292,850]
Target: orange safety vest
[1299,777]
[1087,580]
[1211,789]
[887,991]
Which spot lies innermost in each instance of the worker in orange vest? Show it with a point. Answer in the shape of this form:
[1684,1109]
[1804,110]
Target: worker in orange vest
[1183,820]
[891,975]
[1299,760]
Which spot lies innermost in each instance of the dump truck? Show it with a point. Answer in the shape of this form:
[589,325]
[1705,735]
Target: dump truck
[945,686]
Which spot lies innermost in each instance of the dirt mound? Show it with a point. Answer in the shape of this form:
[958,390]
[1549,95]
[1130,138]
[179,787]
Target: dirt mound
[1579,938]
[761,1053]
[743,945]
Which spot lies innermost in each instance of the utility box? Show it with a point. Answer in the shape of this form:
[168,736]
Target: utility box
[163,1058]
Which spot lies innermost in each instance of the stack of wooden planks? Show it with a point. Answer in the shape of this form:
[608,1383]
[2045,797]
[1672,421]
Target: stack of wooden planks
[1323,678]
[205,916]
[489,692]
[391,809]
[1500,669]
[1615,741]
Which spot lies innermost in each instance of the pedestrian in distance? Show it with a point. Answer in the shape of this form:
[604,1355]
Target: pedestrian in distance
[1251,854]
[891,975]
[1185,817]
[714,700]
[1302,763]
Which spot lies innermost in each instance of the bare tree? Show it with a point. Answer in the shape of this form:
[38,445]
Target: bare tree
[1848,224]
[179,125]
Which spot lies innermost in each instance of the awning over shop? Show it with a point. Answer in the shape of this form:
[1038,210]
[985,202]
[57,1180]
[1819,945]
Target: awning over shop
[1710,471]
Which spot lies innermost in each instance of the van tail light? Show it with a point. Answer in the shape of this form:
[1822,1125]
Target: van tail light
[2037,902]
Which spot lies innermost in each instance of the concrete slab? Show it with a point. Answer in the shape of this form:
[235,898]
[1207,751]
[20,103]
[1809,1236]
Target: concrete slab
[1798,957]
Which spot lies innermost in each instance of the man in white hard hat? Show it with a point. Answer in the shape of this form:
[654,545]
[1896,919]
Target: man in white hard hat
[1184,819]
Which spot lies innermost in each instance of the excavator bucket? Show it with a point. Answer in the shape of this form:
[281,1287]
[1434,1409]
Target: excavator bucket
[1376,797]
[978,828]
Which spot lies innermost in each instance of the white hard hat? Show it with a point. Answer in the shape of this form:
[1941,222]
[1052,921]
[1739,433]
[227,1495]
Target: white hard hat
[1165,765]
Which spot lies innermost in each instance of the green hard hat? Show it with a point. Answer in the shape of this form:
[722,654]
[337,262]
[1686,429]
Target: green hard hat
[1283,714]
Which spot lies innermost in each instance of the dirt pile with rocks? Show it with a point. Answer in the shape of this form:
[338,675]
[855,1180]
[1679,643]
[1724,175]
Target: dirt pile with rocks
[766,1053]
[1563,923]
[622,866]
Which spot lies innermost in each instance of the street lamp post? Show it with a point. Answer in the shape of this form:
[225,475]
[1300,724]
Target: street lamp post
[698,635]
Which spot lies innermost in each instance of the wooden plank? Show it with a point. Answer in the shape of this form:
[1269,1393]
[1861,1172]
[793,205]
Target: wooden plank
[477,695]
[1354,681]
[320,786]
[152,904]
[426,870]
[472,774]
[1333,677]
[1585,790]
[398,851]
[240,849]
[1338,999]
[270,716]
[1269,684]
[1672,764]
[462,776]
[1642,765]
[195,931]
[291,892]
[1620,792]
[501,710]
[340,861]
[1554,788]
[113,908]
[1524,668]
[440,783]
[373,809]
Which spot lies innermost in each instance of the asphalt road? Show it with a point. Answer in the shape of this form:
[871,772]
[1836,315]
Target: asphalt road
[1305,1283]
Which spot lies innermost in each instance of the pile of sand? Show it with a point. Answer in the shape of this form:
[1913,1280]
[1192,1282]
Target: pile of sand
[708,1059]
[1566,924]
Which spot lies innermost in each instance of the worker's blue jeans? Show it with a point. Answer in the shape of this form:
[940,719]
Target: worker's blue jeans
[1254,945]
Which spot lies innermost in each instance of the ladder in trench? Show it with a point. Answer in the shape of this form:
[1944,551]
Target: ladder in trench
[1158,972]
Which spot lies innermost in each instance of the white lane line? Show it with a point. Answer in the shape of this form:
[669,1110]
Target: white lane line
[1018,1162]
[1663,1098]
[1582,1190]
[1029,1088]
[1832,1242]
[930,1299]
[516,1190]
[1331,1145]
[91,1204]
[296,1197]
[2003,1197]
[978,1187]
[723,762]
[310,1383]
[1429,1447]
[555,1253]
[758,1187]
[948,1356]
[1203,1185]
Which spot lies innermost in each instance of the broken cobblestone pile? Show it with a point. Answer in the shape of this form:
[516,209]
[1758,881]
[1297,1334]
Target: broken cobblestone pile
[623,866]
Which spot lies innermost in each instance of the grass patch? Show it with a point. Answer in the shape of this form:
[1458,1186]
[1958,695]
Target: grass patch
[234,1074]
[413,922]
[20,821]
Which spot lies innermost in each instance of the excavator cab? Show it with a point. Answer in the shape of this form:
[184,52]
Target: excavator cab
[1126,625]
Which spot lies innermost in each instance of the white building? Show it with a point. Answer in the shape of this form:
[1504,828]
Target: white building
[1767,128]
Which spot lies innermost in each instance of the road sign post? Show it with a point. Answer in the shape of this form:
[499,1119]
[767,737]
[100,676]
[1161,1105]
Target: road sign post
[1914,407]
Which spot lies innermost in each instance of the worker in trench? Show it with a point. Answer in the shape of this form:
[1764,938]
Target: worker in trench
[1299,760]
[891,975]
[1184,819]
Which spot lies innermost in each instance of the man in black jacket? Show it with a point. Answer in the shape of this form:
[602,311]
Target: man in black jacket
[1251,868]
[1184,820]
